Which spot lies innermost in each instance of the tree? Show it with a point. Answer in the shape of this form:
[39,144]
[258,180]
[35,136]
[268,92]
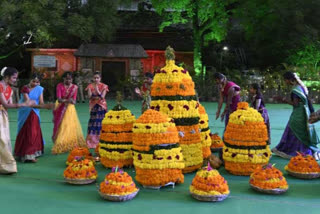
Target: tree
[274,28]
[308,55]
[54,23]
[208,19]
[58,22]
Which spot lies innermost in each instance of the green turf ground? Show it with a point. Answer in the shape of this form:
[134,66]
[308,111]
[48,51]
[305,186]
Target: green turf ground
[39,188]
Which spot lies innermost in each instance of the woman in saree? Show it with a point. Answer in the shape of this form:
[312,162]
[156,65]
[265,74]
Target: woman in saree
[144,92]
[7,162]
[299,135]
[257,103]
[67,131]
[230,92]
[98,108]
[29,143]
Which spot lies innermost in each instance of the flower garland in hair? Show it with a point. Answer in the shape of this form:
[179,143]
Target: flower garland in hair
[299,81]
[2,71]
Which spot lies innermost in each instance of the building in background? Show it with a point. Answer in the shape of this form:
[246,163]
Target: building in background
[53,61]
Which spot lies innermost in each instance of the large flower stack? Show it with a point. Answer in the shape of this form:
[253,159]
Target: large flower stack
[157,156]
[173,93]
[245,141]
[116,138]
[205,132]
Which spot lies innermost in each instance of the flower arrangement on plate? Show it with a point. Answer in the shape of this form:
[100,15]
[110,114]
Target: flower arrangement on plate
[80,171]
[268,179]
[209,185]
[303,166]
[118,186]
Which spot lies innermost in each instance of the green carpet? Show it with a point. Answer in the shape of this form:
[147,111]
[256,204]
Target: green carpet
[40,188]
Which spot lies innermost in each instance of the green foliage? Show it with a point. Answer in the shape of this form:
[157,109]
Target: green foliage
[307,56]
[208,18]
[81,26]
[273,28]
[58,21]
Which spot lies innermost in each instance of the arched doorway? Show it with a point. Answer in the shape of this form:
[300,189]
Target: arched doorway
[113,73]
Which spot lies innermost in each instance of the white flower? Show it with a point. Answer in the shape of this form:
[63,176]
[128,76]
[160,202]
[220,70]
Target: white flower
[181,133]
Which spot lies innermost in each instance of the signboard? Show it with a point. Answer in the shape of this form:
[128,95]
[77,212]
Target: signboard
[44,61]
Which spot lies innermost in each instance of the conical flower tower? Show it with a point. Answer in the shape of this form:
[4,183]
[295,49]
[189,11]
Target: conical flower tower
[245,141]
[173,93]
[157,156]
[205,132]
[116,137]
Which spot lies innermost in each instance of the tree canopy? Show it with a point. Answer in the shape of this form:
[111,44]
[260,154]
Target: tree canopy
[207,18]
[275,29]
[57,22]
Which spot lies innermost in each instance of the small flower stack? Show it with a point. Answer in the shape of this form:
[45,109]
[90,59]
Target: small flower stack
[268,179]
[118,186]
[79,152]
[209,185]
[173,93]
[116,138]
[157,156]
[303,166]
[245,141]
[216,142]
[205,132]
[80,171]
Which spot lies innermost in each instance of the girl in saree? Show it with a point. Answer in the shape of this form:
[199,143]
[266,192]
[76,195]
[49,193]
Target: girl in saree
[7,163]
[67,131]
[299,135]
[98,108]
[144,92]
[230,92]
[29,143]
[257,103]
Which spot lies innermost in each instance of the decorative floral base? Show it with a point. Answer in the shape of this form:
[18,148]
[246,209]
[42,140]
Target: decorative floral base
[212,198]
[158,187]
[119,198]
[190,169]
[276,191]
[109,163]
[303,175]
[79,181]
[242,169]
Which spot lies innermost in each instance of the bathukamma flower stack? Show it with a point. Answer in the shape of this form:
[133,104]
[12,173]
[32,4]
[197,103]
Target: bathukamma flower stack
[157,156]
[245,141]
[173,93]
